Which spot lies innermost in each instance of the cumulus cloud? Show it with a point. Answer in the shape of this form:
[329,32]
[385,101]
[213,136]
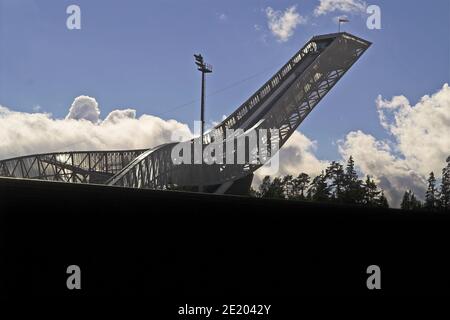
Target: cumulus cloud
[30,133]
[84,108]
[376,158]
[420,143]
[283,24]
[296,156]
[349,6]
[117,116]
[422,132]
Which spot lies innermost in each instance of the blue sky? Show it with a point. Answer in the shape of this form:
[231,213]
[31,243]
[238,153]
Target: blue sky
[138,54]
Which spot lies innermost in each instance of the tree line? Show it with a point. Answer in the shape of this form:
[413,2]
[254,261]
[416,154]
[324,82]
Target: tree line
[339,184]
[437,197]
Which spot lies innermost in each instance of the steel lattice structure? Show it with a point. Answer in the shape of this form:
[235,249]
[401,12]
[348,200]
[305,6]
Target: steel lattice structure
[82,167]
[281,103]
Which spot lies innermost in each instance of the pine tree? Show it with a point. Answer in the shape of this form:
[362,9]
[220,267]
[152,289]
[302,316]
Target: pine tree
[445,187]
[414,202]
[353,191]
[335,173]
[272,190]
[350,171]
[264,187]
[382,201]
[277,189]
[319,190]
[300,185]
[431,194]
[410,202]
[288,187]
[406,201]
[371,193]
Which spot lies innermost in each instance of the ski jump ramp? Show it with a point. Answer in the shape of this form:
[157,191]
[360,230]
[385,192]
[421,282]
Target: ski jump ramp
[280,106]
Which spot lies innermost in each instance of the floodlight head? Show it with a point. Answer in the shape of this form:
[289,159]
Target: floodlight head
[207,68]
[202,66]
[198,57]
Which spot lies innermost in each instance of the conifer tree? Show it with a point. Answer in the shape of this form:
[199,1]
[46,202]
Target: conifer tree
[288,187]
[445,187]
[335,173]
[353,191]
[300,186]
[319,190]
[371,193]
[406,201]
[415,203]
[273,190]
[431,194]
[382,201]
[264,187]
[410,202]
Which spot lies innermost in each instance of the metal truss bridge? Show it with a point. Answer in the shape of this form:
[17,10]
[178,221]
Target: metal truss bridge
[282,103]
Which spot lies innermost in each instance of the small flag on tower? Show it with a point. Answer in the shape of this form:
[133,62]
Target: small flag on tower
[342,20]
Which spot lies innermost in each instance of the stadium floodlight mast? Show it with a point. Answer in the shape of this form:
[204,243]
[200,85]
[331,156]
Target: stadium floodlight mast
[204,69]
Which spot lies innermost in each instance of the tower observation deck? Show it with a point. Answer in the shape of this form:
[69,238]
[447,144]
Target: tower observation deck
[282,103]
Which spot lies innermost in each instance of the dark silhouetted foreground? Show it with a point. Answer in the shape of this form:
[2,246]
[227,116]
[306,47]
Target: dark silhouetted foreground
[129,242]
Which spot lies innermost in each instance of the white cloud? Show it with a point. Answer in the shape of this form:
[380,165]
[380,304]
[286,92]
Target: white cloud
[348,6]
[422,132]
[296,156]
[30,133]
[375,158]
[420,143]
[283,24]
[84,107]
[119,115]
[223,17]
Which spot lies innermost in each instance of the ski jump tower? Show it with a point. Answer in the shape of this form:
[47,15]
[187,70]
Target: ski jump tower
[282,103]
